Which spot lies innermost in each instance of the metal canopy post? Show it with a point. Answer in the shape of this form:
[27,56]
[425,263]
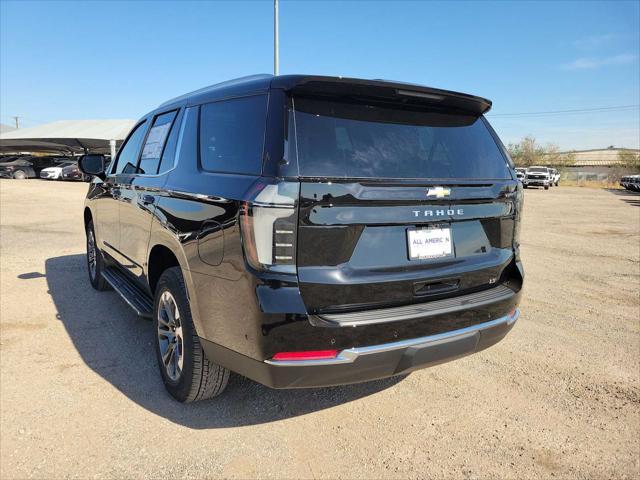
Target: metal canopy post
[276,55]
[112,144]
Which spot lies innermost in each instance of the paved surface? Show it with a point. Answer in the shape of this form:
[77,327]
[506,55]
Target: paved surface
[81,397]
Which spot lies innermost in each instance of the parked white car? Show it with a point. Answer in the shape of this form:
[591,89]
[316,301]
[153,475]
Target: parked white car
[54,173]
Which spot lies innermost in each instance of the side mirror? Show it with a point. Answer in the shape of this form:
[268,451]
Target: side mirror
[93,164]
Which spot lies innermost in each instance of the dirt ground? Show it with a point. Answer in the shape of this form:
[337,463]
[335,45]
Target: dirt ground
[559,397]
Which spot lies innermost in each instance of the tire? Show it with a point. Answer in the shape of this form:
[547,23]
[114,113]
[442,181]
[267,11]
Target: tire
[94,254]
[546,187]
[524,186]
[19,175]
[190,376]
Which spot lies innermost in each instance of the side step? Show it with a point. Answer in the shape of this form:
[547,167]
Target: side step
[135,297]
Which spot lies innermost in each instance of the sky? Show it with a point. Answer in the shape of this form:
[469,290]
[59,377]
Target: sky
[120,59]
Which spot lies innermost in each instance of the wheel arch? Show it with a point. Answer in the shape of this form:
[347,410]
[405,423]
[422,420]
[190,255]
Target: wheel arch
[163,245]
[161,258]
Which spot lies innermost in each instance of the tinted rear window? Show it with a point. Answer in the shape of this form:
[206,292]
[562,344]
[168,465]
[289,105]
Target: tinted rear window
[337,139]
[232,135]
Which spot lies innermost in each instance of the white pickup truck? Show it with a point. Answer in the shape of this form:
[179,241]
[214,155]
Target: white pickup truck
[538,177]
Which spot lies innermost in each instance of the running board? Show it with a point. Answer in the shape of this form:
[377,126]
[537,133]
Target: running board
[135,297]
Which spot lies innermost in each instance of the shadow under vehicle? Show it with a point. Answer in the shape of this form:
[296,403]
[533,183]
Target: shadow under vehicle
[95,321]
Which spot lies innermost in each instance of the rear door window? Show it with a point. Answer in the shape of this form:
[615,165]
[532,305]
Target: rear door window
[232,135]
[345,140]
[169,152]
[155,143]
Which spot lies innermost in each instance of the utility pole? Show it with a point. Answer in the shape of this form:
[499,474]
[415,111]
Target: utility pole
[17,120]
[276,56]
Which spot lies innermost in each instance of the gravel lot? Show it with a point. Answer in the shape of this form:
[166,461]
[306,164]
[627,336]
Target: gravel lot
[560,396]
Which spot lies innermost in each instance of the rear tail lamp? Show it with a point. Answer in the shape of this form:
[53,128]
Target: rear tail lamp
[519,205]
[269,227]
[306,355]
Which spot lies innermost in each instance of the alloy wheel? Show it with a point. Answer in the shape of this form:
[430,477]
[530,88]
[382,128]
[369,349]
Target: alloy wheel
[91,254]
[170,336]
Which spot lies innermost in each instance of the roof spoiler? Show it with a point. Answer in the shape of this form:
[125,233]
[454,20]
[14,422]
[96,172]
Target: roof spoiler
[382,90]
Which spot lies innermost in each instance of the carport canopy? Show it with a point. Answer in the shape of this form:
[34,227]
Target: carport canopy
[69,136]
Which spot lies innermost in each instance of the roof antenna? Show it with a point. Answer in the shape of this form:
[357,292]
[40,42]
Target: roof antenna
[276,56]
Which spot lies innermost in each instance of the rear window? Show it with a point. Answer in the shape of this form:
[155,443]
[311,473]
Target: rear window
[335,139]
[232,135]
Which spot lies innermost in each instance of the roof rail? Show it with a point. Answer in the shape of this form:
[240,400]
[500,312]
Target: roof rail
[215,86]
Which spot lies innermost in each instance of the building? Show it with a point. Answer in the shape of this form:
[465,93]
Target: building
[597,164]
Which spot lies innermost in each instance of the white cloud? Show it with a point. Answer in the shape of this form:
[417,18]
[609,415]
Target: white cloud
[594,62]
[594,41]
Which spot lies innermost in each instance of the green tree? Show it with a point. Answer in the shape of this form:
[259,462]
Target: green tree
[629,160]
[526,152]
[552,155]
[554,158]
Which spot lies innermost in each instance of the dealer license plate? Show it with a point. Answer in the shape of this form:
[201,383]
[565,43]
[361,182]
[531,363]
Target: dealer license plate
[431,242]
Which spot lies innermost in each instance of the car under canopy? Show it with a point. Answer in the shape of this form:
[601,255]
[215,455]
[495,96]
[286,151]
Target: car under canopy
[68,136]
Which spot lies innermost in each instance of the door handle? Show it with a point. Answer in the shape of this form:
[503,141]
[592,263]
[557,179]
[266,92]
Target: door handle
[148,199]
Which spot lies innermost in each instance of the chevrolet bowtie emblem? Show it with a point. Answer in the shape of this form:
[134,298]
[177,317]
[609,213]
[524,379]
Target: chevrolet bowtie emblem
[438,192]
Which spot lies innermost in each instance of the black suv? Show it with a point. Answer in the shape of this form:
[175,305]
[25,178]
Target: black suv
[308,231]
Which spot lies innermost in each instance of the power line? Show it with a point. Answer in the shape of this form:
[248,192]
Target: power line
[564,112]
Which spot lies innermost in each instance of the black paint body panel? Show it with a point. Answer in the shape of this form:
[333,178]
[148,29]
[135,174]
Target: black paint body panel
[351,243]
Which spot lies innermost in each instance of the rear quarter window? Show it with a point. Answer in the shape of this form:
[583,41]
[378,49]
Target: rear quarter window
[232,135]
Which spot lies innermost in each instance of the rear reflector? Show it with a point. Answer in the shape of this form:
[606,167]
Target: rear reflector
[308,355]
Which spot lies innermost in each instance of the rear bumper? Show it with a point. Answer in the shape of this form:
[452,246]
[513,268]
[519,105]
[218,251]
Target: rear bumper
[366,363]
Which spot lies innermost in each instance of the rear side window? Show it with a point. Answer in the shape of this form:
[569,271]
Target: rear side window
[154,145]
[337,139]
[169,152]
[128,154]
[232,135]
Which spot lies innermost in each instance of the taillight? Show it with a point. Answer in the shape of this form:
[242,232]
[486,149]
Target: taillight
[269,227]
[519,205]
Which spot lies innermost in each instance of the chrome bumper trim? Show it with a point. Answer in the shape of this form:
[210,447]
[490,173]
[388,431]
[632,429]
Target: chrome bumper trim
[351,354]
